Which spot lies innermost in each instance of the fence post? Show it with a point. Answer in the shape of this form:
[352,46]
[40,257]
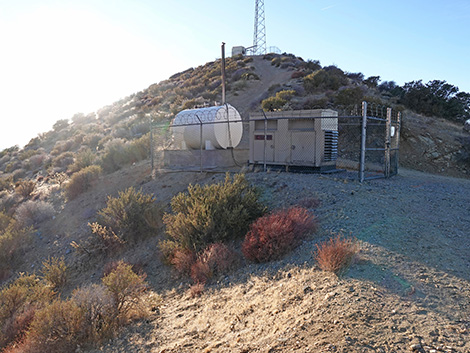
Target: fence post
[388,126]
[152,147]
[363,142]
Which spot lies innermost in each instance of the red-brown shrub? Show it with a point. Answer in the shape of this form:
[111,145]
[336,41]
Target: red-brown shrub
[298,74]
[196,289]
[216,259]
[201,272]
[16,326]
[309,202]
[274,235]
[183,260]
[336,254]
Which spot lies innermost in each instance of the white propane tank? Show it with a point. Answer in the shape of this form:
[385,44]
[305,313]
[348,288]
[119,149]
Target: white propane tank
[222,128]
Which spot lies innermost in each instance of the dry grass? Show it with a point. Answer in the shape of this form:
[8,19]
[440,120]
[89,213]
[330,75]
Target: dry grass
[336,254]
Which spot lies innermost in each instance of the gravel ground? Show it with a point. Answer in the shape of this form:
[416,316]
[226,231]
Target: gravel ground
[408,289]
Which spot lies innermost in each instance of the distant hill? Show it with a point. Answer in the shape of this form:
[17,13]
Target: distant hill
[434,143]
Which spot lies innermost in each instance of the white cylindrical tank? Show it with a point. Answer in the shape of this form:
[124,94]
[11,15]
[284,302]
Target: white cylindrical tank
[222,128]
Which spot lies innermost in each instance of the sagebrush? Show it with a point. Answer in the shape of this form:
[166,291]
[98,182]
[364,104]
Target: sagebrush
[54,271]
[31,213]
[212,213]
[13,239]
[82,181]
[132,215]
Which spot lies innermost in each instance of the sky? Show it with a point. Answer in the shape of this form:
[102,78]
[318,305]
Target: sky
[58,58]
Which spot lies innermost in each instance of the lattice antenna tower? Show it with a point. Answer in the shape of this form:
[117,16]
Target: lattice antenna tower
[259,37]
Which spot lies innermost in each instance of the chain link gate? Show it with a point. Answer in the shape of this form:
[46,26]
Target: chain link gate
[380,141]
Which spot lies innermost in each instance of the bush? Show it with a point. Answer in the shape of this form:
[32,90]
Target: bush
[298,74]
[133,214]
[215,260]
[82,160]
[31,213]
[58,327]
[212,213]
[325,79]
[278,102]
[96,304]
[126,288]
[5,183]
[183,260]
[18,304]
[309,202]
[336,254]
[274,235]
[54,271]
[105,239]
[63,160]
[13,238]
[118,153]
[349,96]
[25,187]
[82,181]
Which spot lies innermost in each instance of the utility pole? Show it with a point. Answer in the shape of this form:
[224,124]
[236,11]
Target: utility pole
[223,73]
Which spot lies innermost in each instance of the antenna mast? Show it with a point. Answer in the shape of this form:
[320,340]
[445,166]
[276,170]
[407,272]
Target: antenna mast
[259,37]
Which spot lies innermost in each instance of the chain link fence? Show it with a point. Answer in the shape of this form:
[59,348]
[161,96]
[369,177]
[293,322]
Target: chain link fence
[360,142]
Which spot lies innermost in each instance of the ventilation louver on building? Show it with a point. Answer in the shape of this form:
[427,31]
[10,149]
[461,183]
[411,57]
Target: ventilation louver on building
[331,146]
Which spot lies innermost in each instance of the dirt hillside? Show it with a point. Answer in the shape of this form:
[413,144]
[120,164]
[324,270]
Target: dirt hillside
[407,290]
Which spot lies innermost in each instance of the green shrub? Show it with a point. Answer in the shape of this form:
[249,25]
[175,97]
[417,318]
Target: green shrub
[82,181]
[118,153]
[5,183]
[126,288]
[54,271]
[212,213]
[349,96]
[31,213]
[13,238]
[82,160]
[99,315]
[132,215]
[25,187]
[279,101]
[324,79]
[57,328]
[18,303]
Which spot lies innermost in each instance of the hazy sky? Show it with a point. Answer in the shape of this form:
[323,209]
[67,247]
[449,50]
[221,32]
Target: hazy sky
[58,58]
